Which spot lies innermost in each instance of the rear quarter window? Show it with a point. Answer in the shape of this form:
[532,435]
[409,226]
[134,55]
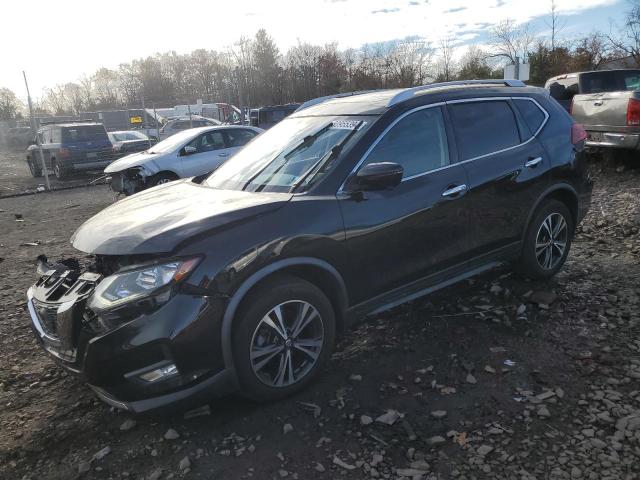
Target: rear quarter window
[484,127]
[532,114]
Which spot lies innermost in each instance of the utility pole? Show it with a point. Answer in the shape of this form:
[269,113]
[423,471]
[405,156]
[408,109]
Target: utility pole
[34,129]
[190,119]
[155,117]
[144,120]
[517,68]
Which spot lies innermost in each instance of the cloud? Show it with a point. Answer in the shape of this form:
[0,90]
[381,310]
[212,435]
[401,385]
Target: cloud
[500,3]
[414,3]
[385,10]
[454,10]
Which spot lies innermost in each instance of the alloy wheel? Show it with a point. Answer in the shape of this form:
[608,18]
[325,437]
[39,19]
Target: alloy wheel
[551,241]
[287,343]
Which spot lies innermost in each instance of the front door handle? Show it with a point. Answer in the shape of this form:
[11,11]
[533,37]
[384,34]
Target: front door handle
[223,154]
[453,191]
[597,103]
[533,162]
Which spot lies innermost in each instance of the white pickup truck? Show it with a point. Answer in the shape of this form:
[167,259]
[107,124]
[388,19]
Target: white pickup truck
[605,102]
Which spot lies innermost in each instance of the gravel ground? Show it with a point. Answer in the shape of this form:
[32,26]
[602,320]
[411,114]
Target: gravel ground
[15,177]
[496,377]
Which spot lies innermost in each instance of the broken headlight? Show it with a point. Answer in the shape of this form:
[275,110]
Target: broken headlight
[130,285]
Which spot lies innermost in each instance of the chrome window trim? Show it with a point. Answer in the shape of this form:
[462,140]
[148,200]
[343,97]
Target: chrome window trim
[440,104]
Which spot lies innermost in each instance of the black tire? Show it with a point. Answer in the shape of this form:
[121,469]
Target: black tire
[535,262]
[160,178]
[60,171]
[35,171]
[290,294]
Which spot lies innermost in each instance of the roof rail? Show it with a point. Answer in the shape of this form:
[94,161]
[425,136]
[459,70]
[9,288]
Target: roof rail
[316,101]
[411,92]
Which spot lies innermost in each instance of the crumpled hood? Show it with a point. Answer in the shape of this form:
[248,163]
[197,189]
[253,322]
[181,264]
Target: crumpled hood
[134,160]
[158,219]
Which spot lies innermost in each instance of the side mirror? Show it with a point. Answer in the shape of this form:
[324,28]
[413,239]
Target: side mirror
[377,176]
[188,150]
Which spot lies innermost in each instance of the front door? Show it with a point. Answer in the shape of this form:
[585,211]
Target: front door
[397,236]
[211,152]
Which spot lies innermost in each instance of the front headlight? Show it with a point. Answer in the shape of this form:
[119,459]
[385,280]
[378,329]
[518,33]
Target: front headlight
[139,283]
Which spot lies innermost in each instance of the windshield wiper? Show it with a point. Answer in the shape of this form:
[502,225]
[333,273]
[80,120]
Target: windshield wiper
[323,161]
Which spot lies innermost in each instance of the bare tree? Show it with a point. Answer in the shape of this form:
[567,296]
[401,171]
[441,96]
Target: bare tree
[473,64]
[555,24]
[10,106]
[510,40]
[446,64]
[627,40]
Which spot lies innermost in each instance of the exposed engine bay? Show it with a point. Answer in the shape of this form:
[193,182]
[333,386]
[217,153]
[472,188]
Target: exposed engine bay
[128,181]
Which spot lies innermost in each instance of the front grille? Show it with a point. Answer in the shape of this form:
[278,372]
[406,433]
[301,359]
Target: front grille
[48,316]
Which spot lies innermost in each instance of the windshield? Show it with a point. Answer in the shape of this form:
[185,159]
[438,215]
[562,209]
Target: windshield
[292,154]
[174,141]
[610,81]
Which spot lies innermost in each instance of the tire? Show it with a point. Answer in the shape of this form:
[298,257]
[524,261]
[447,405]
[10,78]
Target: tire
[540,262]
[35,171]
[60,171]
[160,178]
[263,379]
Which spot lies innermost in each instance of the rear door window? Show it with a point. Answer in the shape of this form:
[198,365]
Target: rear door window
[238,137]
[531,113]
[484,127]
[418,143]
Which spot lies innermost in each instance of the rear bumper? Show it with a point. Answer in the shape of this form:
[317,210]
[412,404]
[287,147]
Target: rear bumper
[629,141]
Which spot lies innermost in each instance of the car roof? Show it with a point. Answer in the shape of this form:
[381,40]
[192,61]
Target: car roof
[377,102]
[72,124]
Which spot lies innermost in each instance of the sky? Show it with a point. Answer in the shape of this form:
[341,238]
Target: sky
[56,41]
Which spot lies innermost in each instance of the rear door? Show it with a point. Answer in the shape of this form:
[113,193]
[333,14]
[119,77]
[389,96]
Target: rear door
[506,167]
[236,138]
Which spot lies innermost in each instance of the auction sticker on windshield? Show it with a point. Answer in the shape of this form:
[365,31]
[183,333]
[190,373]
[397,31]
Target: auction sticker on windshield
[347,124]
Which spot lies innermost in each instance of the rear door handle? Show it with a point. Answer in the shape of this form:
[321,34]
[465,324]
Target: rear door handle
[597,103]
[533,162]
[453,191]
[223,154]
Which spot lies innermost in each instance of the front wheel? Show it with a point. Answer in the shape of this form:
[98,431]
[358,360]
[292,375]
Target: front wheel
[161,178]
[547,241]
[283,336]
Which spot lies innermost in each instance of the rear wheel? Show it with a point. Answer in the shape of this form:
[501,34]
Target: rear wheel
[36,172]
[283,336]
[60,171]
[161,178]
[547,241]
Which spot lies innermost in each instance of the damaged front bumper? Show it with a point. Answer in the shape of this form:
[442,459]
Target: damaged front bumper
[133,358]
[129,181]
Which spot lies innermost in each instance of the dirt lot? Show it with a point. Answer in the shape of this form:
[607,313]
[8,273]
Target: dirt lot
[15,177]
[493,378]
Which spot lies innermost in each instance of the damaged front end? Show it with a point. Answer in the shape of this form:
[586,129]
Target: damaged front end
[112,322]
[129,181]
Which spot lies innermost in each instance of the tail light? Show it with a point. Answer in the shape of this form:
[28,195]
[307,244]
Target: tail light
[578,133]
[633,112]
[64,153]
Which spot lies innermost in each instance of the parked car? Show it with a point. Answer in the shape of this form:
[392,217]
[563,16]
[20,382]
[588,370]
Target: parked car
[192,152]
[240,281]
[69,148]
[606,102]
[267,117]
[129,141]
[183,123]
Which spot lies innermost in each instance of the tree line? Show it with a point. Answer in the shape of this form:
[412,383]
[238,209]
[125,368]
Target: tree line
[254,72]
